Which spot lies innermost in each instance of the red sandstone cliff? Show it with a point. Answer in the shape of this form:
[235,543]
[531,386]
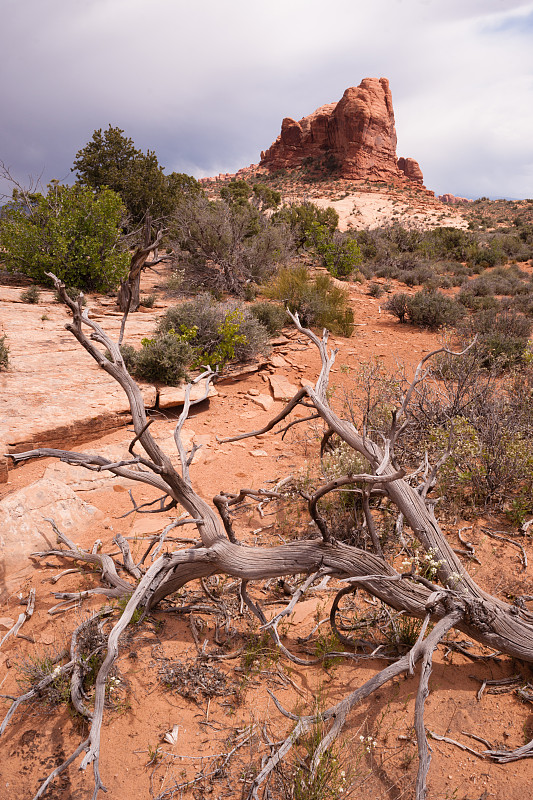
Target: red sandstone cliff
[355,137]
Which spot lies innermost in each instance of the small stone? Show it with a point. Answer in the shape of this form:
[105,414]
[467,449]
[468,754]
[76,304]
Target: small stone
[282,389]
[254,392]
[258,453]
[263,400]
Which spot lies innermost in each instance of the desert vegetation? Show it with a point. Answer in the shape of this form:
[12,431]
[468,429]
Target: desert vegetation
[385,463]
[371,504]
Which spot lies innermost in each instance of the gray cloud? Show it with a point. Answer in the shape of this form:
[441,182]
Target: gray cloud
[206,86]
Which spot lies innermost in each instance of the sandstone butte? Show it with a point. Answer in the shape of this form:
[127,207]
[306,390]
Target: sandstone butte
[355,137]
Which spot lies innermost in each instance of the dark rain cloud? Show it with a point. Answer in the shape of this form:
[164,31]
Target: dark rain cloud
[207,85]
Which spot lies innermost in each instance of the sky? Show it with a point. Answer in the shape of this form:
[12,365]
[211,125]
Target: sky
[206,83]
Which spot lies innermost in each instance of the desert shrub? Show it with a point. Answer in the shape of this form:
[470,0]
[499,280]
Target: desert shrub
[375,289]
[271,315]
[148,301]
[523,303]
[387,269]
[163,359]
[418,276]
[228,245]
[129,356]
[484,254]
[446,242]
[409,261]
[476,303]
[502,337]
[498,281]
[306,221]
[443,282]
[433,310]
[249,291]
[4,353]
[398,305]
[368,244]
[318,301]
[488,426]
[30,295]
[479,287]
[70,231]
[490,460]
[217,332]
[340,254]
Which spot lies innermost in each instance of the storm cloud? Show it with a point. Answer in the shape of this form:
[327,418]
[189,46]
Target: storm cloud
[206,85]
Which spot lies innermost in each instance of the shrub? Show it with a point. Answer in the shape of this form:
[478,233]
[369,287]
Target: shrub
[524,303]
[340,254]
[4,353]
[70,231]
[226,246]
[418,276]
[502,337]
[271,315]
[398,305]
[163,359]
[148,302]
[375,289]
[306,220]
[30,295]
[475,303]
[318,301]
[129,356]
[490,460]
[217,332]
[387,269]
[433,310]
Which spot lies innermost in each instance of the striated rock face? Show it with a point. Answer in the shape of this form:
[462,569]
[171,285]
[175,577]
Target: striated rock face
[355,137]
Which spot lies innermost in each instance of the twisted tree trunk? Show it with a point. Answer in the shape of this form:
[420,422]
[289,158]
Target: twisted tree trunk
[457,601]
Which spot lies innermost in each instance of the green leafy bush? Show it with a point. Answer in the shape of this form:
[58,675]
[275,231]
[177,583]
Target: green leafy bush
[163,359]
[318,301]
[70,231]
[340,254]
[306,220]
[217,332]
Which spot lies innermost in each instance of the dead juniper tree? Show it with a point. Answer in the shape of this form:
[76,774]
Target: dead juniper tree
[456,601]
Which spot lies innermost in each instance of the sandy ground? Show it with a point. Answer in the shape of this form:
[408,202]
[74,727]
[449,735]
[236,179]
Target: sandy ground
[363,210]
[136,760]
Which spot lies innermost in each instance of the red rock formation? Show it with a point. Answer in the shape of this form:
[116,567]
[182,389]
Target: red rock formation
[411,169]
[452,199]
[355,137]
